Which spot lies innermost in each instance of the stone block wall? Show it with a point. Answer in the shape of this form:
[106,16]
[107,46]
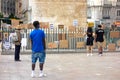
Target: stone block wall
[59,11]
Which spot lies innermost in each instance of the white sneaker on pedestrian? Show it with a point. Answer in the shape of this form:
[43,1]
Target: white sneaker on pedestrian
[100,55]
[42,75]
[91,54]
[32,75]
[87,54]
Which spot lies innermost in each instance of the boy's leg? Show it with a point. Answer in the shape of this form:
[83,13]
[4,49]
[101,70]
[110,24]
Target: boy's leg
[42,57]
[33,67]
[34,59]
[41,66]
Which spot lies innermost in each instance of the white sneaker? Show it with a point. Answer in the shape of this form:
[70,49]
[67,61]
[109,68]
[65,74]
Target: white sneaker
[32,75]
[42,75]
[100,55]
[87,54]
[91,54]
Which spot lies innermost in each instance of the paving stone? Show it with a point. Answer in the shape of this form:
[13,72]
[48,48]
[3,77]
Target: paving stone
[63,67]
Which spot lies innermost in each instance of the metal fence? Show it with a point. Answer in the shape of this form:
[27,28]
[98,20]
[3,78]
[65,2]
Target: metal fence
[63,40]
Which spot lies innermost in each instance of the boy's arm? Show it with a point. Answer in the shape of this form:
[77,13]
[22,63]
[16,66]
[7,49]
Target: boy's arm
[44,43]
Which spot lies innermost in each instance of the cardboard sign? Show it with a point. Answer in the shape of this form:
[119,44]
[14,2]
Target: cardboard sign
[111,47]
[61,36]
[30,26]
[72,28]
[79,35]
[114,34]
[44,25]
[118,43]
[60,26]
[24,26]
[15,22]
[80,45]
[63,44]
[52,45]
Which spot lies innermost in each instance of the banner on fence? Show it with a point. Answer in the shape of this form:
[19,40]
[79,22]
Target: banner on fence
[60,26]
[114,34]
[72,28]
[52,45]
[63,44]
[44,25]
[30,26]
[15,22]
[111,47]
[80,45]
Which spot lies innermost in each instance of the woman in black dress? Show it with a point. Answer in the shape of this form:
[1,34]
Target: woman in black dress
[89,41]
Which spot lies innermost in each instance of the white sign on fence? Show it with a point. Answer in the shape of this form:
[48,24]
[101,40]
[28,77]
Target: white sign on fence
[7,45]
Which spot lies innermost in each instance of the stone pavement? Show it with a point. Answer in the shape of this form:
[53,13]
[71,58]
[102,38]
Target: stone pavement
[74,66]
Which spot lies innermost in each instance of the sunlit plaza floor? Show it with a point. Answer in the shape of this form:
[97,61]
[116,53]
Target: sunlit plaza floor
[72,66]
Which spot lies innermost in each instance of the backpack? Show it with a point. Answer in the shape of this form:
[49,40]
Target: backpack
[14,37]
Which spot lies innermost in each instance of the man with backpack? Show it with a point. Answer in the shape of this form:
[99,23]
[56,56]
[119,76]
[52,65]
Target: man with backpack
[17,43]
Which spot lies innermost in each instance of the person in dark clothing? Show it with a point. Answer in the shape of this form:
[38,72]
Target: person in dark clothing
[89,41]
[18,46]
[99,38]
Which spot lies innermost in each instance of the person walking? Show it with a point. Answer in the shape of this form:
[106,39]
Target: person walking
[99,38]
[89,41]
[17,45]
[38,43]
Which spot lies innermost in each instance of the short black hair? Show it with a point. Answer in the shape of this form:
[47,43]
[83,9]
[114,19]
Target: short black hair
[99,26]
[36,24]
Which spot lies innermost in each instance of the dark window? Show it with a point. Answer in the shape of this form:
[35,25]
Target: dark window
[118,0]
[118,12]
[89,13]
[106,13]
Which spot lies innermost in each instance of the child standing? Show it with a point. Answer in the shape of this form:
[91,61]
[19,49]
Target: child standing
[89,41]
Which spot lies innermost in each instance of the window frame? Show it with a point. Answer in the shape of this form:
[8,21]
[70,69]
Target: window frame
[118,12]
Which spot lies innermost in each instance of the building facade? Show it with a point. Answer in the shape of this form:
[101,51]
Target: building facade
[105,12]
[56,12]
[0,5]
[25,9]
[18,8]
[7,7]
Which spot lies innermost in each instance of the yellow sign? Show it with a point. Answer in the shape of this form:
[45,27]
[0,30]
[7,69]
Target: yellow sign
[90,24]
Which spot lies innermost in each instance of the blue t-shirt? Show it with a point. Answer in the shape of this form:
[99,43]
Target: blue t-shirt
[37,37]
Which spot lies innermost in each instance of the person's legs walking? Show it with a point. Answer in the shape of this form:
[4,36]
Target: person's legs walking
[91,50]
[100,49]
[19,46]
[16,52]
[88,50]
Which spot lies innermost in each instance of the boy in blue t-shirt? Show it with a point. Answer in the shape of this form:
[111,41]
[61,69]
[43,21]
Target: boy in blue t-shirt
[37,37]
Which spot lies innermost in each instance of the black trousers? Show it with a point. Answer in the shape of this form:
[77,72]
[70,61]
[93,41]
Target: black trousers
[17,52]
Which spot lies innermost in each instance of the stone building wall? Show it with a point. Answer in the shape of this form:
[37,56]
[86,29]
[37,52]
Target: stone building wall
[59,11]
